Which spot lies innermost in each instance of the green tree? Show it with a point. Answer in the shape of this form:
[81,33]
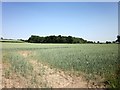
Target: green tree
[118,39]
[69,39]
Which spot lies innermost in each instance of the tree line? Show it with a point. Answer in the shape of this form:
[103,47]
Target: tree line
[59,39]
[55,39]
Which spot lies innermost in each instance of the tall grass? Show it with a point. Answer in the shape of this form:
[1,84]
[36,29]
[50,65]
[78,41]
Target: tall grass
[101,60]
[18,64]
[91,59]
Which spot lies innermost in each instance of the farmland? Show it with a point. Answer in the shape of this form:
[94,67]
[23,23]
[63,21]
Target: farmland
[59,65]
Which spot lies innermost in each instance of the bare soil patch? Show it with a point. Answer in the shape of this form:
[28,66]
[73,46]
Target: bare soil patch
[57,78]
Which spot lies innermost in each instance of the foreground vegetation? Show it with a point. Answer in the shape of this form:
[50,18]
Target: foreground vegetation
[93,61]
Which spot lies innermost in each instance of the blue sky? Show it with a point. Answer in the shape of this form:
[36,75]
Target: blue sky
[89,20]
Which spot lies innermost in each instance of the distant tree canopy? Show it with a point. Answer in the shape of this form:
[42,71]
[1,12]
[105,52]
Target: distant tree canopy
[55,39]
[108,42]
[98,41]
[118,39]
[1,38]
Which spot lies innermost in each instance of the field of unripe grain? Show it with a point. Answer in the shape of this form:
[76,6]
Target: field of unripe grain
[29,65]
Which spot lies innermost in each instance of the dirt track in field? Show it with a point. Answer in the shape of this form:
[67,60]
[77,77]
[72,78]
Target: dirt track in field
[58,79]
[45,76]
